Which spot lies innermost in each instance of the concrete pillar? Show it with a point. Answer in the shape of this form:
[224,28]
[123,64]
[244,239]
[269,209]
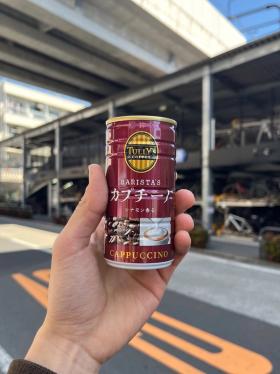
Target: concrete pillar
[58,165]
[2,135]
[207,142]
[24,172]
[2,112]
[111,109]
[50,198]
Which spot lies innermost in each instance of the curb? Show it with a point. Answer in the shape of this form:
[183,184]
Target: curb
[242,259]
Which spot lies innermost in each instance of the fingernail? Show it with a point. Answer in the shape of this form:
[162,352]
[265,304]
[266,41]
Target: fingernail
[92,239]
[91,172]
[191,193]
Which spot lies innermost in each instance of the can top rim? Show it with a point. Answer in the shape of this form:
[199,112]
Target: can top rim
[168,121]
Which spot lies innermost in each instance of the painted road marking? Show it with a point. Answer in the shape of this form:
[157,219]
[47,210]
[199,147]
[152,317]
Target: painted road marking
[36,290]
[230,358]
[28,236]
[225,359]
[165,358]
[39,293]
[5,360]
[43,275]
[24,242]
[30,245]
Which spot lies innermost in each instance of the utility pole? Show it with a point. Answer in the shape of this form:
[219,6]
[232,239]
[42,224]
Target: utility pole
[207,143]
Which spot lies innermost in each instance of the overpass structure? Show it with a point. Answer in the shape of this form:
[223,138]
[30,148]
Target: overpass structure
[228,114]
[93,49]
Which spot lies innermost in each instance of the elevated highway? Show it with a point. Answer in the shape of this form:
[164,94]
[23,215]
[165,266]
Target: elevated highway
[93,49]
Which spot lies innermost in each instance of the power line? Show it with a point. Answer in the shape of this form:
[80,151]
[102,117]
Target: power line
[260,25]
[254,11]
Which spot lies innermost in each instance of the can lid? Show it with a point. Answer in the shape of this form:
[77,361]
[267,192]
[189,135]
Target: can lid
[168,121]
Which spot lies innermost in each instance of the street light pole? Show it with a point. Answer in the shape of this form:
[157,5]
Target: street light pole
[275,6]
[253,11]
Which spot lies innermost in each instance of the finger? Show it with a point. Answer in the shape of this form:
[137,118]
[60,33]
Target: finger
[182,242]
[97,247]
[97,237]
[183,222]
[87,215]
[184,199]
[99,232]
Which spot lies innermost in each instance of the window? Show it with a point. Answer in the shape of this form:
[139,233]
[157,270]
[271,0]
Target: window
[14,130]
[38,110]
[16,106]
[55,113]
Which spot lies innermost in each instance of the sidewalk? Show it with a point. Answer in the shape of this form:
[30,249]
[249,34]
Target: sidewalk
[23,234]
[245,250]
[234,245]
[36,222]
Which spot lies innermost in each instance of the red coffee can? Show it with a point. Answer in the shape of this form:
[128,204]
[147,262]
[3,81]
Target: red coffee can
[140,171]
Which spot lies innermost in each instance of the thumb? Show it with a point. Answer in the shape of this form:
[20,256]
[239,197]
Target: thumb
[88,213]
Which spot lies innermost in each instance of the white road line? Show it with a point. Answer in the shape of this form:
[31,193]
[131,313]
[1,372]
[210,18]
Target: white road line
[5,360]
[235,263]
[24,242]
[30,245]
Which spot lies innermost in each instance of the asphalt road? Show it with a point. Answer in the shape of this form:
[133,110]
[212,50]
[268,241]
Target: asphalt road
[218,316]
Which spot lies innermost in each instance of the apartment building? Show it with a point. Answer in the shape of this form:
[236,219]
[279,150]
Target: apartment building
[23,108]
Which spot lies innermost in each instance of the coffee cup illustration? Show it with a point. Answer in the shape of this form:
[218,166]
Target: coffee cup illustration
[156,235]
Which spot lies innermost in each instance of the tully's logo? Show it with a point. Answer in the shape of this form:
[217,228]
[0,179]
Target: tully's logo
[141,151]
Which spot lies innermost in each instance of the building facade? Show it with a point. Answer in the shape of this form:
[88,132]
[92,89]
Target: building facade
[23,108]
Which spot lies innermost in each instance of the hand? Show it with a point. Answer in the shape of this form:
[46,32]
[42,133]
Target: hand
[94,309]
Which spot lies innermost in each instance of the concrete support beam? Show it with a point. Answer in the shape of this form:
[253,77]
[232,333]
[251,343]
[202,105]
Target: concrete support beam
[178,79]
[207,126]
[17,72]
[35,63]
[58,167]
[55,48]
[73,21]
[245,55]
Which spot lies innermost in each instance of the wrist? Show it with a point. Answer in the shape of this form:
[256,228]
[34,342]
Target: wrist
[60,355]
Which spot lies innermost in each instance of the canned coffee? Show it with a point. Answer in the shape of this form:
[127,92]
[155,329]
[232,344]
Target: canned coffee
[140,171]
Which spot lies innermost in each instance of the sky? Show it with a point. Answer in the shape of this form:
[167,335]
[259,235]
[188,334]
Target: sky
[253,26]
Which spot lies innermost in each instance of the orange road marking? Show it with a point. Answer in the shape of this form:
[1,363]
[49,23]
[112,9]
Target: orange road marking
[163,357]
[42,274]
[39,293]
[36,290]
[232,358]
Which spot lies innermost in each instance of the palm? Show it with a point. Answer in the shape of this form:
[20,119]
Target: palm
[113,303]
[95,304]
